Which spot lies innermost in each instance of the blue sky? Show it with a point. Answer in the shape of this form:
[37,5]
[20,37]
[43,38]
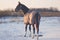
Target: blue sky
[11,4]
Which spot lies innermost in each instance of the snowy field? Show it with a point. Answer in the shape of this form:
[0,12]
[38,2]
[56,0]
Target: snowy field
[11,28]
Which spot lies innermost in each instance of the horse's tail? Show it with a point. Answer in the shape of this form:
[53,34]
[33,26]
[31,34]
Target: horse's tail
[37,15]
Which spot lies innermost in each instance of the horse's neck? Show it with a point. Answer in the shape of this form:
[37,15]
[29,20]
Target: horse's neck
[25,9]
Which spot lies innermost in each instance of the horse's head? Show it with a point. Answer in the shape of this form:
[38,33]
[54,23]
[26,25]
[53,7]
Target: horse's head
[21,7]
[18,7]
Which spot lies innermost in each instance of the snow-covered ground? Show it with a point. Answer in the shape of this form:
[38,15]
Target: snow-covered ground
[11,28]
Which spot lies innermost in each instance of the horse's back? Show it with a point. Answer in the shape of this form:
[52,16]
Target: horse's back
[31,18]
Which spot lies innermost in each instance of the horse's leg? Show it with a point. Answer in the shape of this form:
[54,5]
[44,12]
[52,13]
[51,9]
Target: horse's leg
[37,28]
[25,30]
[33,31]
[30,30]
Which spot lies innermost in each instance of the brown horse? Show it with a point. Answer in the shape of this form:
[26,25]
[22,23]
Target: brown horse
[30,18]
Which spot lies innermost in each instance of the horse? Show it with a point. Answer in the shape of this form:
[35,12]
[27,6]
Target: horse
[31,17]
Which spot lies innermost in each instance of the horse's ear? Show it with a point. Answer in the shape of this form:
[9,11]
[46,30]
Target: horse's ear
[19,2]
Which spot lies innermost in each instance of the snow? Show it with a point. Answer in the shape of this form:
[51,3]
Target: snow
[49,28]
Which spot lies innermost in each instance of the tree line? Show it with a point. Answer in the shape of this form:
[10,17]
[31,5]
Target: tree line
[8,12]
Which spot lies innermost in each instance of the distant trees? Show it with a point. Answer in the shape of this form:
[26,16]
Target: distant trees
[11,12]
[54,9]
[51,9]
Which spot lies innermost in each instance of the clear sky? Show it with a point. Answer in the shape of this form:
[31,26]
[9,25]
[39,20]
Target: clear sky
[11,4]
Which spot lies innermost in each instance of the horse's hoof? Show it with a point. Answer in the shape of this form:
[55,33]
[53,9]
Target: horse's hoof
[32,37]
[24,35]
[37,37]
